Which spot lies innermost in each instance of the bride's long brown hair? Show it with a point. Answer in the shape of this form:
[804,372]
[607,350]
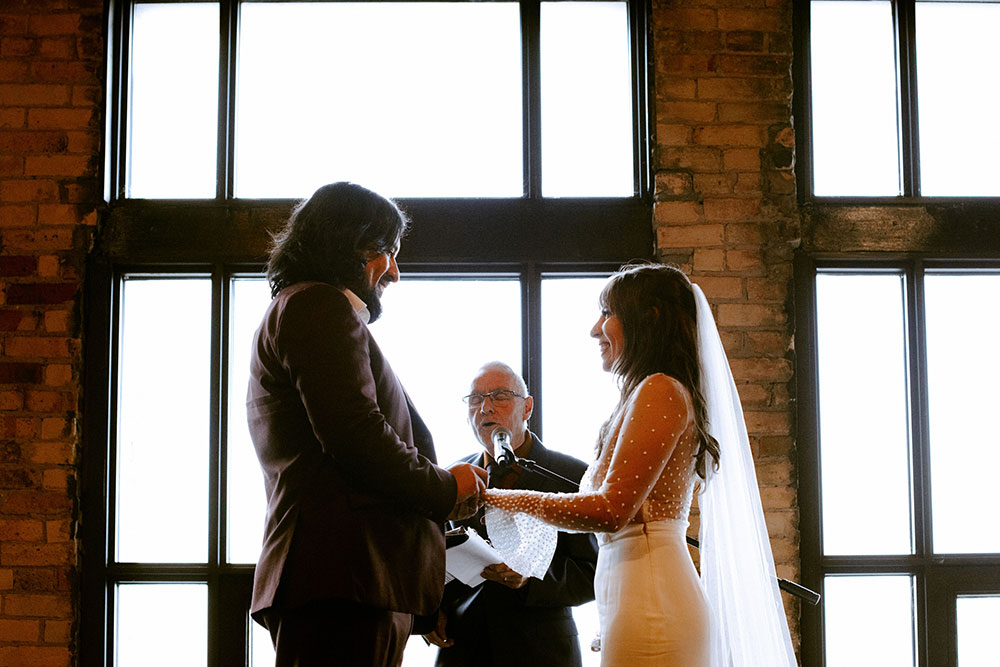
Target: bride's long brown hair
[656,307]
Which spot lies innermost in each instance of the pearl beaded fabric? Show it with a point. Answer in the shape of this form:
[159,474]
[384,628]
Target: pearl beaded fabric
[526,543]
[644,472]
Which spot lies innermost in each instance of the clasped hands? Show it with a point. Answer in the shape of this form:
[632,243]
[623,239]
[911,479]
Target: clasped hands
[471,482]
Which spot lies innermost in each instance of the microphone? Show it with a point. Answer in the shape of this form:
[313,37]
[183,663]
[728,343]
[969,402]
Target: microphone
[502,453]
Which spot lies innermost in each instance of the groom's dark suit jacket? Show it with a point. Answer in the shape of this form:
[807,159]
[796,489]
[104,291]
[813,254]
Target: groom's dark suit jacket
[533,625]
[354,498]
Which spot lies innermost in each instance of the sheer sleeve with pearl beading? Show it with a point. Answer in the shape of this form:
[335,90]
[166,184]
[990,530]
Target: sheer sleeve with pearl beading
[643,473]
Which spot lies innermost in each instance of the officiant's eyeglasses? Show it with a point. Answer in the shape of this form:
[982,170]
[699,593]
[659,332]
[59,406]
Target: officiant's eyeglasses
[497,396]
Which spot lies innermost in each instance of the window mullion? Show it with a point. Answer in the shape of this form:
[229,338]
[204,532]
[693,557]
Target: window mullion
[225,156]
[531,335]
[639,47]
[531,97]
[906,69]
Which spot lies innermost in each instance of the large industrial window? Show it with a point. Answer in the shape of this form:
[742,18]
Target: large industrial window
[413,99]
[185,493]
[899,450]
[902,98]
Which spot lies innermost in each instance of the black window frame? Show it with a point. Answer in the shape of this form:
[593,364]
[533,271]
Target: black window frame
[938,578]
[907,113]
[529,236]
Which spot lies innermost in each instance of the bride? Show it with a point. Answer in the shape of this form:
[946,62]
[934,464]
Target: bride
[657,336]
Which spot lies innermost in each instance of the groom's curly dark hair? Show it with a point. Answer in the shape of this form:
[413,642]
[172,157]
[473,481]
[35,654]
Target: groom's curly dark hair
[327,236]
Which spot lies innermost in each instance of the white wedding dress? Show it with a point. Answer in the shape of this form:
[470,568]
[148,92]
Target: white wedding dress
[636,495]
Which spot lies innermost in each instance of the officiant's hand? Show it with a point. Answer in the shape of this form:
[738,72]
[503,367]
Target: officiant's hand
[502,574]
[438,636]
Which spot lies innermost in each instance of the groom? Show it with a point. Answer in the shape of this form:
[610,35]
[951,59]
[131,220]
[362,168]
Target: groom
[510,619]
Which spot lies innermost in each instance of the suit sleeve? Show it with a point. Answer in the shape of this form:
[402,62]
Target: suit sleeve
[324,347]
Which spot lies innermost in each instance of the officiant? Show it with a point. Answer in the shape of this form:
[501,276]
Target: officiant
[511,619]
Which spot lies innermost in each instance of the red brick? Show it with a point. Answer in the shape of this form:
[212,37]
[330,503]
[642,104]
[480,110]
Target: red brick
[753,395]
[761,369]
[673,135]
[673,183]
[57,479]
[88,142]
[56,427]
[57,48]
[58,632]
[11,118]
[13,24]
[743,89]
[745,40]
[62,71]
[694,19]
[57,321]
[43,239]
[693,111]
[64,119]
[732,209]
[14,71]
[19,631]
[730,135]
[714,184]
[59,214]
[709,260]
[29,191]
[18,47]
[41,293]
[34,503]
[16,373]
[47,401]
[750,315]
[18,216]
[21,530]
[17,265]
[747,182]
[763,65]
[676,87]
[58,531]
[741,159]
[54,24]
[32,95]
[744,234]
[777,472]
[11,400]
[767,20]
[749,112]
[58,453]
[698,158]
[46,347]
[16,553]
[11,166]
[59,165]
[745,261]
[688,236]
[672,63]
[677,212]
[36,656]
[718,288]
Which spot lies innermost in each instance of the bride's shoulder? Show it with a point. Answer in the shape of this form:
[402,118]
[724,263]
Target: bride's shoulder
[660,386]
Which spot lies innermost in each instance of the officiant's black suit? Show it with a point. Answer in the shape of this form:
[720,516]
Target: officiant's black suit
[496,625]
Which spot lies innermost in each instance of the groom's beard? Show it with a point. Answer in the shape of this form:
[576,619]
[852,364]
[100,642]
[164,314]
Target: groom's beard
[372,301]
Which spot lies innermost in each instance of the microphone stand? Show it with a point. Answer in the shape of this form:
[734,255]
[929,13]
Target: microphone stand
[509,458]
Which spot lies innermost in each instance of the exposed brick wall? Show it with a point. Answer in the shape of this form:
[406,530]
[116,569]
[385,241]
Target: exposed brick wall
[51,54]
[726,212]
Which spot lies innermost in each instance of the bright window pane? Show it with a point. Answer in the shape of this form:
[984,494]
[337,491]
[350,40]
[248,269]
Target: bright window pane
[854,142]
[868,621]
[978,620]
[586,100]
[436,334]
[173,101]
[957,53]
[963,327]
[863,414]
[245,482]
[262,650]
[163,429]
[409,99]
[161,625]
[578,395]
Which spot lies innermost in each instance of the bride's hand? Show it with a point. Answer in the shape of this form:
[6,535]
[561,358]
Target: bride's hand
[502,574]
